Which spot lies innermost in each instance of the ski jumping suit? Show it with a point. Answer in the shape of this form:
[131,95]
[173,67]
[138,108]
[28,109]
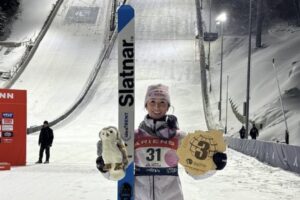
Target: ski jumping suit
[156,162]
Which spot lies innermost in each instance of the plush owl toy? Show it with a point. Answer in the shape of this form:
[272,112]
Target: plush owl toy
[113,152]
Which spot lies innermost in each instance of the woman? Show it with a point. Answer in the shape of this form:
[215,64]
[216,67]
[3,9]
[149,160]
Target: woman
[156,141]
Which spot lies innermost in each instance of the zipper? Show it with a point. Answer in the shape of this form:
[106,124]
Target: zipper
[153,193]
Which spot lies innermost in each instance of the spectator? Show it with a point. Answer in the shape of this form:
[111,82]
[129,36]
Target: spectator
[254,132]
[242,132]
[45,142]
[287,137]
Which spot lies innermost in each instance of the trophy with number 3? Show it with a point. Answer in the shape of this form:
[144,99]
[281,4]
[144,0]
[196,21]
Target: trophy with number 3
[197,149]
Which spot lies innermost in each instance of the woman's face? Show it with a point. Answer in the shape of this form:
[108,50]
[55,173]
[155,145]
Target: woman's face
[157,108]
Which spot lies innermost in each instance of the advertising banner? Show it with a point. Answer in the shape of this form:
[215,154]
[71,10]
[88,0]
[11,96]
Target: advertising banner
[13,126]
[276,154]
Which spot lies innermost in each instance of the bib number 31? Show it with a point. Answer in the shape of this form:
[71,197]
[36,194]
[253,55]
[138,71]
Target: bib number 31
[153,154]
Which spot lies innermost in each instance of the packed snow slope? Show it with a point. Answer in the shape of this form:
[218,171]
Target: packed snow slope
[166,52]
[68,53]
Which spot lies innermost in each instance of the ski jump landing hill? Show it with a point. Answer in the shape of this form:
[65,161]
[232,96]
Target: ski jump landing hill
[76,20]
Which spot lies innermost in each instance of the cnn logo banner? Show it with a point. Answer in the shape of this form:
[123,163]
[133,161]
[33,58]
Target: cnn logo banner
[13,116]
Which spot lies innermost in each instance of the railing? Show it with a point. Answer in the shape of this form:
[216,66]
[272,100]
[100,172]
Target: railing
[207,111]
[275,154]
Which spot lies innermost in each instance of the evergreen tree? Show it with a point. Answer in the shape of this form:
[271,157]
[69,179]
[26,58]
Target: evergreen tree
[7,9]
[297,7]
[3,21]
[9,6]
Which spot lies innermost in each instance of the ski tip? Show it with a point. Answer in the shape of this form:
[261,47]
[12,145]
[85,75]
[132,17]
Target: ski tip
[126,14]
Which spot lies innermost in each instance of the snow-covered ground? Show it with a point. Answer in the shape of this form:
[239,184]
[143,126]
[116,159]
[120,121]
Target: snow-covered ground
[66,178]
[166,52]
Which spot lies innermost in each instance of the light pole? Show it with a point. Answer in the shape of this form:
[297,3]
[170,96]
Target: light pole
[226,105]
[248,69]
[208,56]
[221,19]
[281,102]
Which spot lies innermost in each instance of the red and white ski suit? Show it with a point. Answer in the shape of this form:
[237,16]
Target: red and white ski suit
[156,167]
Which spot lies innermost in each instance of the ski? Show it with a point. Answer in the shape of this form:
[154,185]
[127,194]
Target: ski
[126,100]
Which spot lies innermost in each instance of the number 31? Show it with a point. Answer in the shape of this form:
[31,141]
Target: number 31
[153,154]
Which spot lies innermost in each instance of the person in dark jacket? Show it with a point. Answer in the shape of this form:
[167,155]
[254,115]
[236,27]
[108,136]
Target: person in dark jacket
[242,132]
[45,142]
[254,132]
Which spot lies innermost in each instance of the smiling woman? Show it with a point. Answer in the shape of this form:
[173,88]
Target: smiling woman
[157,101]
